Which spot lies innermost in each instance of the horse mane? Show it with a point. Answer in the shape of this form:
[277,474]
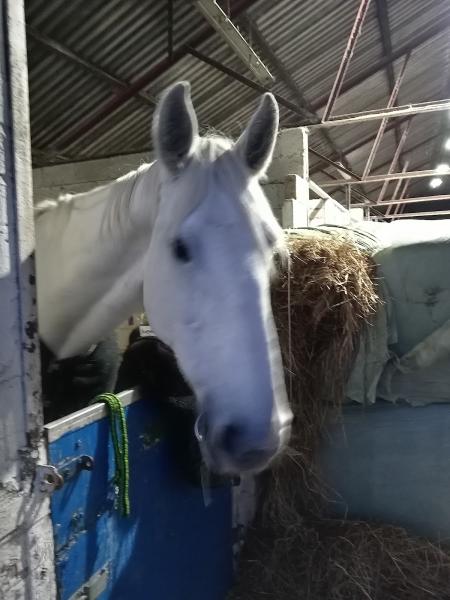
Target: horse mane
[47,205]
[212,145]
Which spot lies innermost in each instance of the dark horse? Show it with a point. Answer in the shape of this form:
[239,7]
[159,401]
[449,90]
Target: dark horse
[69,385]
[148,364]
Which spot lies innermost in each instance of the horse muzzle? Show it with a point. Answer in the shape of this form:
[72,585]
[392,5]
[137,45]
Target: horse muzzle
[234,449]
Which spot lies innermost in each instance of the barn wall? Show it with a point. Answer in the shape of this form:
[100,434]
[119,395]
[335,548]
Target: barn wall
[26,542]
[50,182]
[286,186]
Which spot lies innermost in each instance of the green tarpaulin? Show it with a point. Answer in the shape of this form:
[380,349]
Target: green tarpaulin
[405,354]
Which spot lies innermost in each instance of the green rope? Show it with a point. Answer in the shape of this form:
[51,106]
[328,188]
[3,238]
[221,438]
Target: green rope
[120,442]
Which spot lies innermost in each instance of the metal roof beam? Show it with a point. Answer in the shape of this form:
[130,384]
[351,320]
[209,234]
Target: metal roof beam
[41,153]
[397,111]
[332,163]
[346,58]
[396,193]
[86,126]
[400,182]
[278,67]
[443,128]
[400,196]
[418,200]
[382,13]
[382,177]
[258,87]
[384,121]
[431,213]
[243,79]
[170,29]
[361,143]
[283,75]
[395,160]
[68,54]
[234,39]
[385,164]
[386,41]
[427,34]
[47,156]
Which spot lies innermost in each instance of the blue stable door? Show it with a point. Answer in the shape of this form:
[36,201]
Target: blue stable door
[173,546]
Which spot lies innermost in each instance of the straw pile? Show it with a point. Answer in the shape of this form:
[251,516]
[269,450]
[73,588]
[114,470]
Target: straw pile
[332,560]
[329,296]
[293,551]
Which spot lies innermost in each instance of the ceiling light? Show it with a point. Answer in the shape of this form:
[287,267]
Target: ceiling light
[442,168]
[447,144]
[435,182]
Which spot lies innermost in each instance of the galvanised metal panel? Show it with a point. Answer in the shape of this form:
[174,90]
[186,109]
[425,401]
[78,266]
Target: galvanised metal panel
[389,463]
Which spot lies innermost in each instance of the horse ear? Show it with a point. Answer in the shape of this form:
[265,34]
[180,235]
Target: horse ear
[175,127]
[256,144]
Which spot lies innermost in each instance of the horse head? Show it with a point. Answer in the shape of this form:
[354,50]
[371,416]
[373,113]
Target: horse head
[207,280]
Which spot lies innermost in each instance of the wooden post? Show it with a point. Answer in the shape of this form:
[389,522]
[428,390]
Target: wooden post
[26,542]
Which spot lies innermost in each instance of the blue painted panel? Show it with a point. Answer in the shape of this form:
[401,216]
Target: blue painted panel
[392,463]
[171,547]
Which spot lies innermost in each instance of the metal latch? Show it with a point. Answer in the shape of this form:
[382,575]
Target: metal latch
[93,588]
[73,466]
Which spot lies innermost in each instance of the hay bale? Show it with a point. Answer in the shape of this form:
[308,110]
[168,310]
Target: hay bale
[292,552]
[320,308]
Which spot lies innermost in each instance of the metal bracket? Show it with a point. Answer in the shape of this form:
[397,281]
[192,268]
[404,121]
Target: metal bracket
[73,466]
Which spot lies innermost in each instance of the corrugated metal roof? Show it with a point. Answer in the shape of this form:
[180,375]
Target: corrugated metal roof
[128,38]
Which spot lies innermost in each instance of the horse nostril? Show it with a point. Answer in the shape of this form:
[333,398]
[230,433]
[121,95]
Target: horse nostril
[237,444]
[231,440]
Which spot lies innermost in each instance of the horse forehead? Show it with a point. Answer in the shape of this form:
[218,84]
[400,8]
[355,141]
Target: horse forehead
[211,196]
[221,209]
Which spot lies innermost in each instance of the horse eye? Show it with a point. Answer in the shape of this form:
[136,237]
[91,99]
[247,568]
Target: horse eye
[181,251]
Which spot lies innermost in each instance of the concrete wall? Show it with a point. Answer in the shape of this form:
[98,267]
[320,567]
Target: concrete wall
[50,182]
[288,183]
[327,212]
[26,536]
[286,186]
[290,156]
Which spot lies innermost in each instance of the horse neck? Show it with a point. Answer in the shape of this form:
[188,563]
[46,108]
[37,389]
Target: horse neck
[90,252]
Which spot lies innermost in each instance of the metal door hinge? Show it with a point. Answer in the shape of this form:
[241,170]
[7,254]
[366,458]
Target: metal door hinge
[50,478]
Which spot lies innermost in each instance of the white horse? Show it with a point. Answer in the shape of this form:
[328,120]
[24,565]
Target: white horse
[190,238]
